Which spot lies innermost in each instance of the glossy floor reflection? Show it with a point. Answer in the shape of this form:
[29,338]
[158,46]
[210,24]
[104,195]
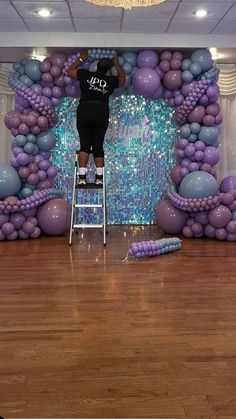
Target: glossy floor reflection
[84,335]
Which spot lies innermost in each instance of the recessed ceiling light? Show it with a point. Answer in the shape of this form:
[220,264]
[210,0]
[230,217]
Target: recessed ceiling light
[43,12]
[201,13]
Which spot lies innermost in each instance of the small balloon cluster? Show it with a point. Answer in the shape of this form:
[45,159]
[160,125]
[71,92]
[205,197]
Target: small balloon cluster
[193,204]
[194,156]
[12,204]
[99,53]
[154,247]
[22,225]
[219,223]
[36,172]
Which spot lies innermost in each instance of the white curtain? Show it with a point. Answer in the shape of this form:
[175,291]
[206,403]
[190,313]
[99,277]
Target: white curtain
[6,104]
[227,84]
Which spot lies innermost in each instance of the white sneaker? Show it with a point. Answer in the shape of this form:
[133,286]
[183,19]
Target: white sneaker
[99,180]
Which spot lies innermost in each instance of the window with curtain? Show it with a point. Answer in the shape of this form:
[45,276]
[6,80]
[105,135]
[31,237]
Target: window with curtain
[7,98]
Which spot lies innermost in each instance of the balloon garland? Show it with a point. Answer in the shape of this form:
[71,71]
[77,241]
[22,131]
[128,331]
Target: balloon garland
[187,84]
[153,247]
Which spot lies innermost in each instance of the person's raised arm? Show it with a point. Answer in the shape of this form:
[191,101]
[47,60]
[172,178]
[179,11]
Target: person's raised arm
[120,72]
[72,70]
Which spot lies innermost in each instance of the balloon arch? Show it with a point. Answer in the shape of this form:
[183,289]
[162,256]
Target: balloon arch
[195,205]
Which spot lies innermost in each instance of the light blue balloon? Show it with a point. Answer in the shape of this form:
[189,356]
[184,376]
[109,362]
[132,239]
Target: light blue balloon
[198,184]
[130,57]
[16,66]
[21,70]
[31,138]
[26,80]
[46,141]
[195,69]
[195,127]
[113,71]
[134,71]
[20,140]
[234,215]
[185,131]
[187,76]
[25,192]
[29,148]
[202,57]
[121,60]
[36,150]
[192,138]
[209,135]
[32,70]
[127,67]
[10,183]
[93,66]
[186,64]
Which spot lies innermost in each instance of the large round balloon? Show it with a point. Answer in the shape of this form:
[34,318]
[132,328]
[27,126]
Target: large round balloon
[172,79]
[54,217]
[170,219]
[146,81]
[220,216]
[209,135]
[46,140]
[202,57]
[147,58]
[10,183]
[198,184]
[32,69]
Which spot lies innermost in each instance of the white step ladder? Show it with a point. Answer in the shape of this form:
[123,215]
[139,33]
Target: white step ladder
[76,206]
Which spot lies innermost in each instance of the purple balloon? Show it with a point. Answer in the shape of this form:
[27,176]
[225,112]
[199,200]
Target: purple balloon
[213,109]
[4,218]
[172,79]
[147,58]
[45,65]
[8,228]
[197,114]
[209,231]
[175,175]
[220,216]
[23,159]
[54,217]
[28,227]
[211,155]
[170,219]
[55,71]
[146,81]
[17,220]
[164,66]
[228,183]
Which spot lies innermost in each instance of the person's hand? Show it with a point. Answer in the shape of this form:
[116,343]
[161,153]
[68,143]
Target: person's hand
[83,55]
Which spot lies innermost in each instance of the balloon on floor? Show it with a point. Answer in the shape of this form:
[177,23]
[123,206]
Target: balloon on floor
[198,206]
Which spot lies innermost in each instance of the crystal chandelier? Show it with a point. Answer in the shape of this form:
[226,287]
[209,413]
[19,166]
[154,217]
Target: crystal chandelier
[126,4]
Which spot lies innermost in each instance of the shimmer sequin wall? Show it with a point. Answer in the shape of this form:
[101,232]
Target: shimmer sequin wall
[138,156]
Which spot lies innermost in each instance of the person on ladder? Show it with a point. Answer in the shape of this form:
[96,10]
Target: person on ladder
[93,110]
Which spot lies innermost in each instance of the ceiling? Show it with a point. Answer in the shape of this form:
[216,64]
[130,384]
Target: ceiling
[80,23]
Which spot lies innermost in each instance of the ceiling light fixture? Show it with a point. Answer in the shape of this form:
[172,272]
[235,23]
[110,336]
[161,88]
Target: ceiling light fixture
[126,4]
[43,12]
[201,13]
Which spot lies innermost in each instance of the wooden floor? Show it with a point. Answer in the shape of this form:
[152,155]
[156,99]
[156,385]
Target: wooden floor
[84,335]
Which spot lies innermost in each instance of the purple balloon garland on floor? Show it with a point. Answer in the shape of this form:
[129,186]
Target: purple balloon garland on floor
[189,85]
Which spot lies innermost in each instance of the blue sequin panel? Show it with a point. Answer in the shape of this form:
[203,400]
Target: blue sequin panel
[139,153]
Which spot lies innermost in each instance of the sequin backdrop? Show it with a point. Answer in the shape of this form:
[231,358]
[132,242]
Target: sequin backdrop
[138,155]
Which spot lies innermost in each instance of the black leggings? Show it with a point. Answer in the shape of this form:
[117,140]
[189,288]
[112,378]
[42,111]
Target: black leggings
[92,123]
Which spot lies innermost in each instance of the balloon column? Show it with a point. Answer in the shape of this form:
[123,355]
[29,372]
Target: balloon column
[187,84]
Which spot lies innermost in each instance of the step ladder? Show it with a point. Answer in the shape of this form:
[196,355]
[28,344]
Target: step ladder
[75,213]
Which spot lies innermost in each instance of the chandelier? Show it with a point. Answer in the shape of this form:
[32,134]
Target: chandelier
[126,4]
